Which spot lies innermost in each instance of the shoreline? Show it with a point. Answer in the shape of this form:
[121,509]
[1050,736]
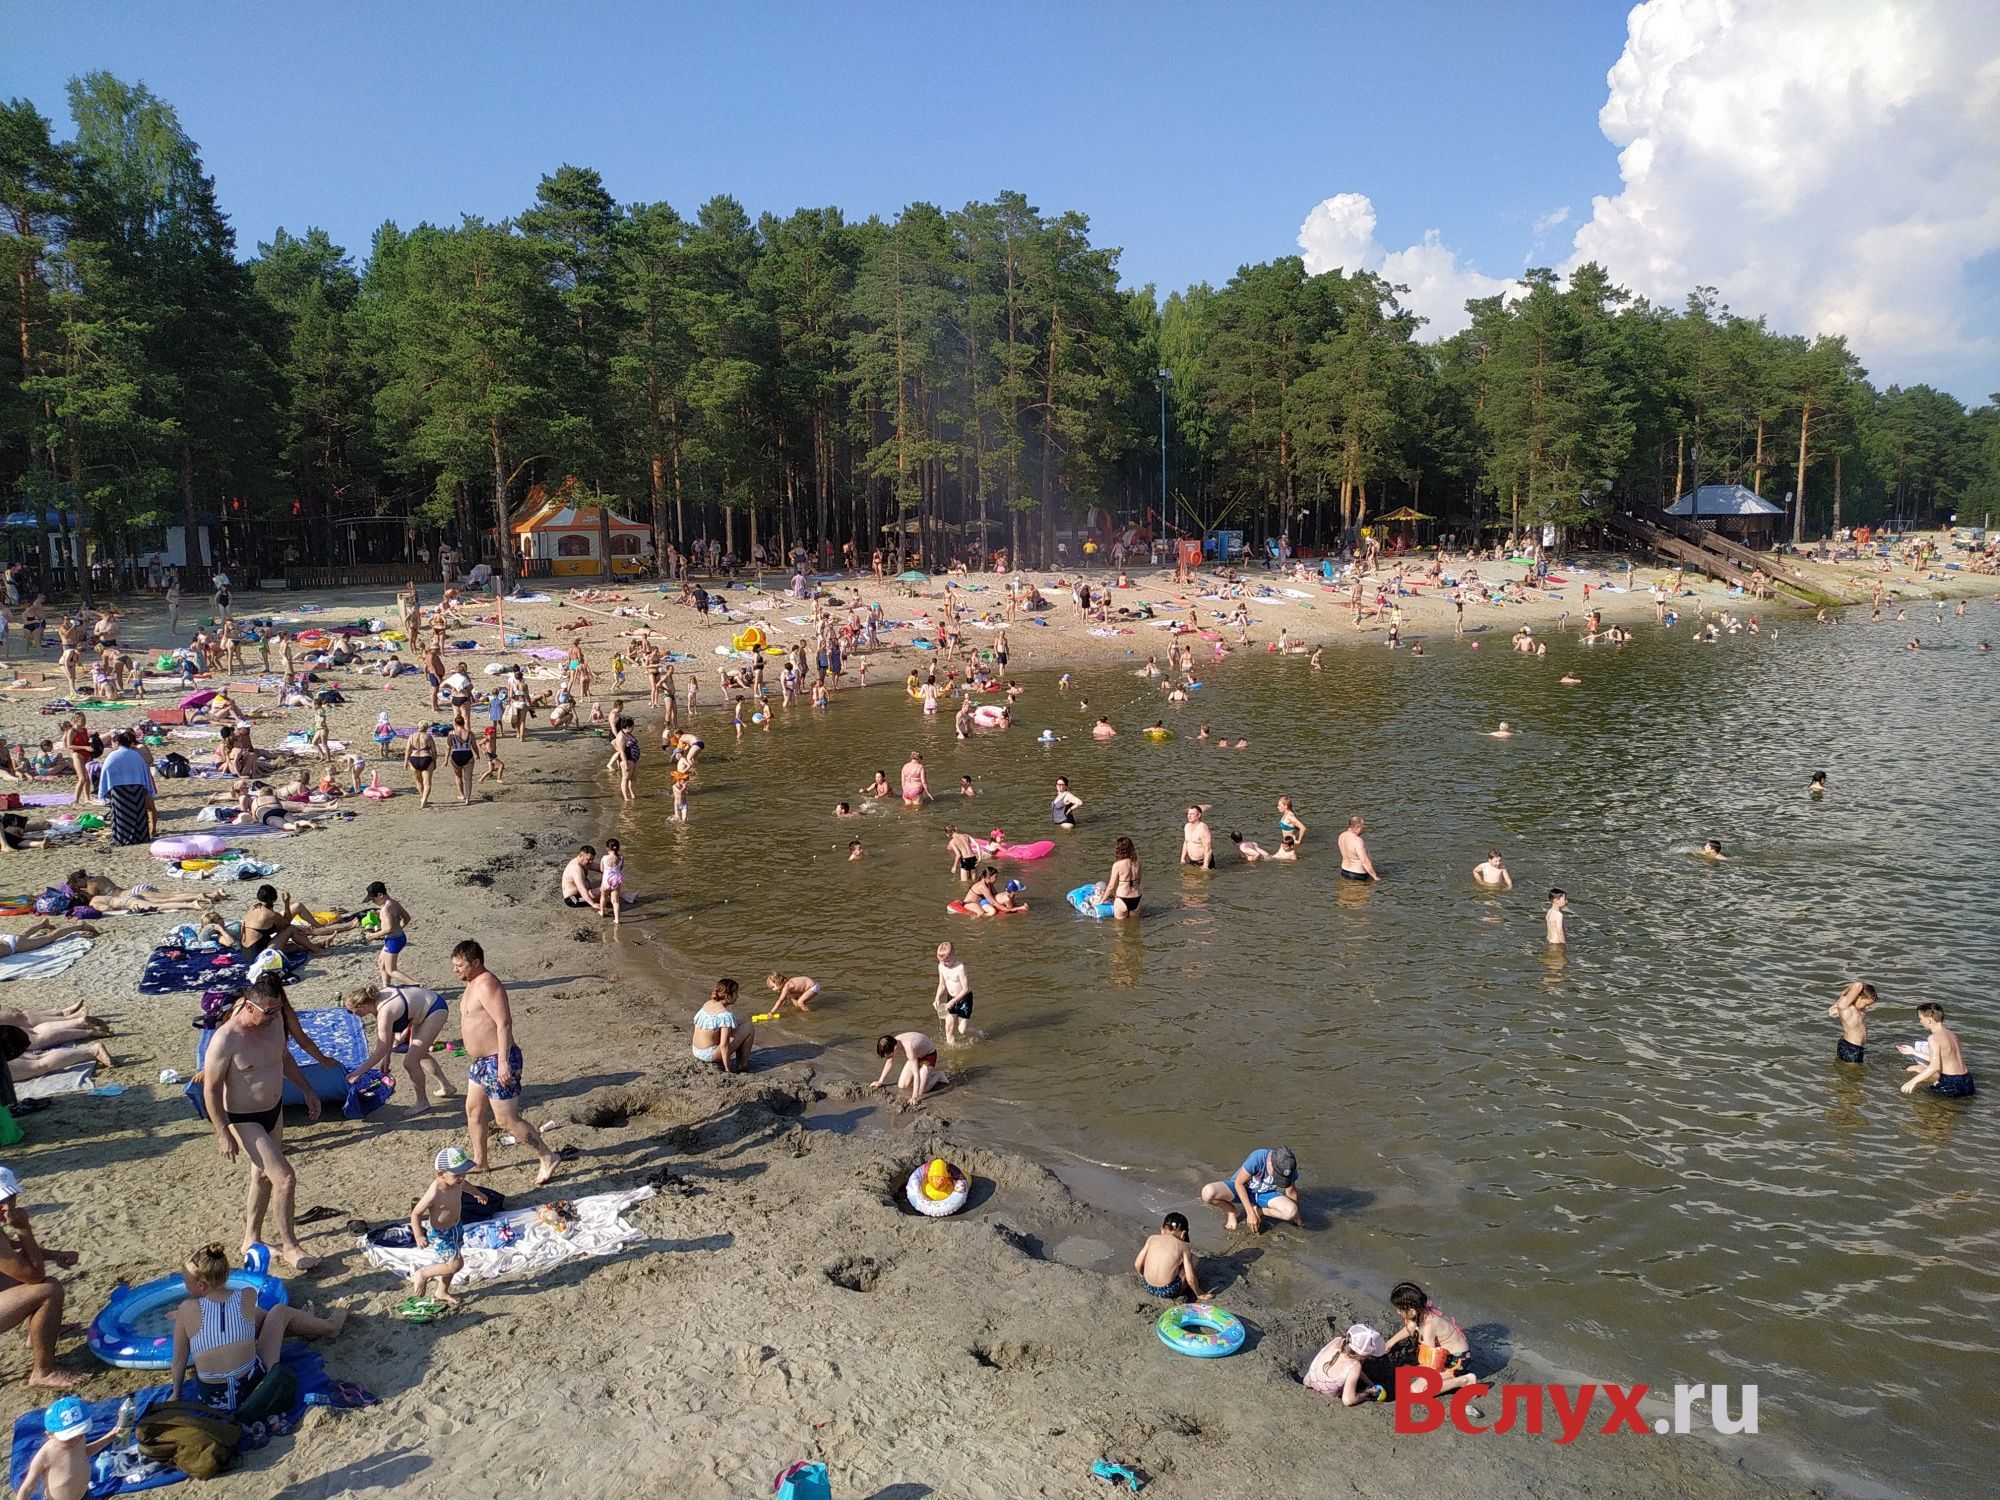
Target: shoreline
[775,1225]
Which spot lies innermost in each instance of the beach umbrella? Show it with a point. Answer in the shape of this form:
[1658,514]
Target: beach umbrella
[912,575]
[1405,513]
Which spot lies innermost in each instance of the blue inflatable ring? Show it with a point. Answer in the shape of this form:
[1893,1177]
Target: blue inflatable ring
[1201,1330]
[136,1329]
[1082,898]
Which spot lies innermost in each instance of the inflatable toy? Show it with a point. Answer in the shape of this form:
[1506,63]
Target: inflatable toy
[1040,849]
[939,1189]
[136,1329]
[1200,1330]
[1084,899]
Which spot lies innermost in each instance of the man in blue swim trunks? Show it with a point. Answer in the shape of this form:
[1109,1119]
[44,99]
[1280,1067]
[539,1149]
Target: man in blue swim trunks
[493,1084]
[1265,1186]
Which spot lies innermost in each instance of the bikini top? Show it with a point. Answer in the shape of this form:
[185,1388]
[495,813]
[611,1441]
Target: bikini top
[723,1020]
[222,1324]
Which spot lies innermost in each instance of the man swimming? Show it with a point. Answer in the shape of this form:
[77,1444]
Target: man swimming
[1354,861]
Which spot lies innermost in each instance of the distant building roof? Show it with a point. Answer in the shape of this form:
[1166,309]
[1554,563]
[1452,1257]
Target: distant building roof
[1724,500]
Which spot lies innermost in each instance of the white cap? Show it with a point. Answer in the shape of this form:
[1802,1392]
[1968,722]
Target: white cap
[10,1185]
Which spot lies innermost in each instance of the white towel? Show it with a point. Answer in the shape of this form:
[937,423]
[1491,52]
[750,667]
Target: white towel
[45,963]
[600,1229]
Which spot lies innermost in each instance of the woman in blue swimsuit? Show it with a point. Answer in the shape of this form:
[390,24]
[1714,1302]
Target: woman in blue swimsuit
[1288,822]
[719,1036]
[408,1019]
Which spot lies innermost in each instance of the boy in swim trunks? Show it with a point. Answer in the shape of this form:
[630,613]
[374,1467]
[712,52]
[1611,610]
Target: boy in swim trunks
[1851,1010]
[443,1204]
[953,998]
[1165,1263]
[799,990]
[393,932]
[1946,1070]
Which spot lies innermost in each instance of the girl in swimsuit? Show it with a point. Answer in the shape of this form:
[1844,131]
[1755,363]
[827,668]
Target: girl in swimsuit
[459,746]
[614,879]
[719,1037]
[232,1341]
[625,759]
[1288,822]
[412,1018]
[420,755]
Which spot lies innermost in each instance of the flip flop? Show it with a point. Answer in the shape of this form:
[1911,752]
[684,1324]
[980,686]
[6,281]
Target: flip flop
[420,1309]
[317,1212]
[1105,1469]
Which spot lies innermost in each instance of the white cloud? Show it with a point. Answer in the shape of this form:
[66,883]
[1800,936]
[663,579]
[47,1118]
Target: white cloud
[1545,222]
[1339,234]
[1835,166]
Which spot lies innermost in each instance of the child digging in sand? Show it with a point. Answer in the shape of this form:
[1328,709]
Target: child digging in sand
[800,990]
[1165,1263]
[444,1205]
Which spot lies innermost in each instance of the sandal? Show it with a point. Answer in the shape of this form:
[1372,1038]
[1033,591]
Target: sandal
[420,1309]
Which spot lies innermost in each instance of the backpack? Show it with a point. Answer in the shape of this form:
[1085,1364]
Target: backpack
[55,901]
[274,1396]
[183,1435]
[173,766]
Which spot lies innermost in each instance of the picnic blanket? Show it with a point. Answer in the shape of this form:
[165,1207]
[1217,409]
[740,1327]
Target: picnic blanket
[127,1471]
[529,1244]
[339,1034]
[171,968]
[48,799]
[45,963]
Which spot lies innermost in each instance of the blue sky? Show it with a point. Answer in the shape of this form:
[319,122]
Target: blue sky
[1196,137]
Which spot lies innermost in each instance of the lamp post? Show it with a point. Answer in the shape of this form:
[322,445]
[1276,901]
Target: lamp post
[1163,380]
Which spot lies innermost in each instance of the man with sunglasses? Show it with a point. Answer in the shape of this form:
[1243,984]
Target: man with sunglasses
[243,1078]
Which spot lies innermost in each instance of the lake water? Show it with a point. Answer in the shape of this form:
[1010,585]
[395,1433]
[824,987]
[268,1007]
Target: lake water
[1638,1155]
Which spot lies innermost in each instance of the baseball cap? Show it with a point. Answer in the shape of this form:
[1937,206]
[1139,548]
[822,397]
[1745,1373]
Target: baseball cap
[66,1419]
[1283,1163]
[377,888]
[10,1185]
[452,1160]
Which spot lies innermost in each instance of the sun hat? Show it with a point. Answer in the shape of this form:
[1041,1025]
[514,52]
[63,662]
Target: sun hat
[66,1419]
[452,1160]
[1365,1341]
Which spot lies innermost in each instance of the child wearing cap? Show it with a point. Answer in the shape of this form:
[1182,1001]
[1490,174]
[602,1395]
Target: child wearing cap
[1265,1186]
[444,1205]
[61,1466]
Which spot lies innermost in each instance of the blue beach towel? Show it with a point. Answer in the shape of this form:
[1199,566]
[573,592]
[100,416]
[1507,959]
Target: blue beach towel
[339,1034]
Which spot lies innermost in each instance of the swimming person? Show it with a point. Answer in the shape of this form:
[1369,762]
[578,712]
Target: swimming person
[1250,849]
[1554,923]
[1062,810]
[1121,886]
[231,1341]
[720,1036]
[1493,872]
[1713,850]
[243,1079]
[1851,1010]
[1165,1264]
[1197,841]
[920,1065]
[1354,861]
[1946,1070]
[493,1083]
[1818,787]
[1266,1185]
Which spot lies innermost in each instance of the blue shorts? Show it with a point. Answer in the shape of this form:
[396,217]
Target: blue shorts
[485,1072]
[1265,1200]
[1171,1289]
[449,1242]
[1954,1086]
[395,943]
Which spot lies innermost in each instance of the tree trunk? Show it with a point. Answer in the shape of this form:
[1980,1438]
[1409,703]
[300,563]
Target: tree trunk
[1799,492]
[1836,494]
[604,570]
[1757,462]
[502,535]
[1680,464]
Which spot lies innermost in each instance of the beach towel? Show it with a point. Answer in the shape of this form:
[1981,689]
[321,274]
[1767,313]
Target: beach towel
[171,969]
[126,1472]
[47,799]
[45,963]
[339,1034]
[76,1080]
[600,1229]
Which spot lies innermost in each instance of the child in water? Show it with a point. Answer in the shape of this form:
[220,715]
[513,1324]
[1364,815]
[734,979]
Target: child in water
[1851,1010]
[443,1204]
[953,998]
[614,881]
[1553,920]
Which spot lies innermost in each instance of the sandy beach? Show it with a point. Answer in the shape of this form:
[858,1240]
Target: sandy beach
[781,1303]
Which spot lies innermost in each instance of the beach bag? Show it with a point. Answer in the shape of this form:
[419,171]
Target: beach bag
[274,1396]
[182,1435]
[173,766]
[803,1481]
[55,902]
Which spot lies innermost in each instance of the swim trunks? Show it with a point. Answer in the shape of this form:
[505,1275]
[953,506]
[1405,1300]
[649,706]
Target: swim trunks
[1266,1199]
[448,1242]
[1171,1289]
[265,1119]
[1954,1086]
[574,901]
[1846,1051]
[485,1072]
[968,862]
[961,1007]
[395,943]
[1347,874]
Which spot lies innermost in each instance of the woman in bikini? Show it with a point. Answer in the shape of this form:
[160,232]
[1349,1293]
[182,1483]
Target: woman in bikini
[420,755]
[1289,822]
[103,894]
[1121,886]
[719,1036]
[625,759]
[232,1342]
[407,1016]
[461,749]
